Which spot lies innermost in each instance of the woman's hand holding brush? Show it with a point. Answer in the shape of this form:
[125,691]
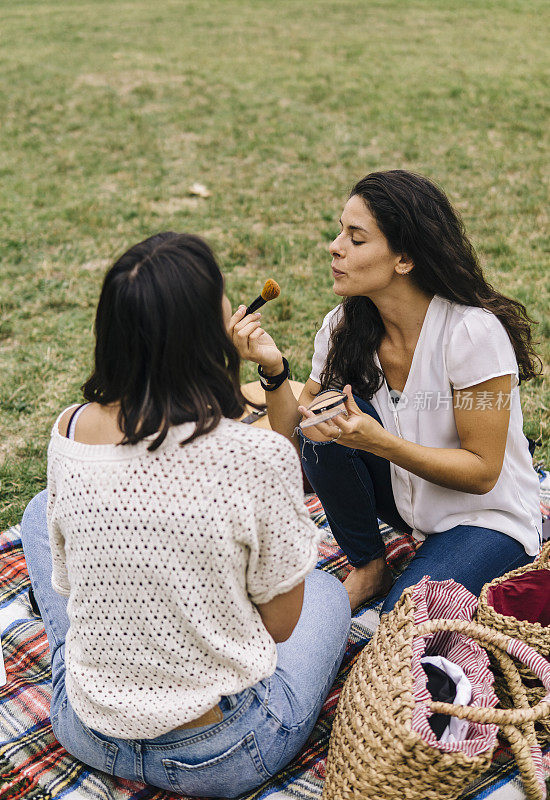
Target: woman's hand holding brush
[252,342]
[255,344]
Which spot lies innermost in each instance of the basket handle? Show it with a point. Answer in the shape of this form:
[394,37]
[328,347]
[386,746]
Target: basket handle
[543,560]
[527,655]
[522,738]
[518,723]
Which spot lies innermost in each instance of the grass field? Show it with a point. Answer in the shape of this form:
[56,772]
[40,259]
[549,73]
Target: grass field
[111,110]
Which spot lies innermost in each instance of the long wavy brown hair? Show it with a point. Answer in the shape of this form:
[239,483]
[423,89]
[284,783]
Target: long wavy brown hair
[418,220]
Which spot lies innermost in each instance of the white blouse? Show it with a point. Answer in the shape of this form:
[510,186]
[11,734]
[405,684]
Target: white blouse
[459,346]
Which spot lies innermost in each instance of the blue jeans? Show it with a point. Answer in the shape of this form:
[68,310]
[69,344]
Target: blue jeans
[355,489]
[263,727]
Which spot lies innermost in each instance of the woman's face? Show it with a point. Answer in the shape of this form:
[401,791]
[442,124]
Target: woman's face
[362,261]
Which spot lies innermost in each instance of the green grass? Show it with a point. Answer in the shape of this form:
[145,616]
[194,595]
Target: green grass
[110,111]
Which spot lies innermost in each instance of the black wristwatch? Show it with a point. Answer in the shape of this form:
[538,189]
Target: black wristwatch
[272,382]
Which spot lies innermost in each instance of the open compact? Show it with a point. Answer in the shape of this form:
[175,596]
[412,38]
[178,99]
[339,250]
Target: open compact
[327,404]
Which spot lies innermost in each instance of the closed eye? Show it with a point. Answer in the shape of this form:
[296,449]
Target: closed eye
[351,228]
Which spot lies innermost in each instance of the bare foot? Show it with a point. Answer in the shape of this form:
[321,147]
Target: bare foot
[364,583]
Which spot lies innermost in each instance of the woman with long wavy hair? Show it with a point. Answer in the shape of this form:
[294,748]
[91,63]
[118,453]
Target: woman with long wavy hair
[429,356]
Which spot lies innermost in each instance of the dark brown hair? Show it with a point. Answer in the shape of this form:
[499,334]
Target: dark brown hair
[418,220]
[162,350]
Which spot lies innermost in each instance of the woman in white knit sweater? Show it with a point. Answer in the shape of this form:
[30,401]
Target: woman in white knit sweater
[172,555]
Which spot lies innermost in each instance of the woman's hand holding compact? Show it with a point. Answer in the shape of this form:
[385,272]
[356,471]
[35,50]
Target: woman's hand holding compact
[357,430]
[252,342]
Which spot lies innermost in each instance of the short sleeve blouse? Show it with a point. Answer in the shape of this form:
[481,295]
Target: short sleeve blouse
[479,349]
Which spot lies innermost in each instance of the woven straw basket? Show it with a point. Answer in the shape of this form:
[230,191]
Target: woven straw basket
[532,633]
[374,754]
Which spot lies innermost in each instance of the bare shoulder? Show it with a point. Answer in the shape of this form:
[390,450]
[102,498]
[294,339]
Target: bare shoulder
[96,425]
[64,420]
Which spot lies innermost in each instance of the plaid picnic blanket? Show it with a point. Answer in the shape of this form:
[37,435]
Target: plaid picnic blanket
[34,766]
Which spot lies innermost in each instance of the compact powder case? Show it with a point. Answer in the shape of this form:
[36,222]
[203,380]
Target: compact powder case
[328,404]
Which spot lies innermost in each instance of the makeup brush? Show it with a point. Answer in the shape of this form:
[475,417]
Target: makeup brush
[270,291]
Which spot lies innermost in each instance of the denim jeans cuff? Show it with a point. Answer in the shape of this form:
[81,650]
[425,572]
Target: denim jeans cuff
[361,562]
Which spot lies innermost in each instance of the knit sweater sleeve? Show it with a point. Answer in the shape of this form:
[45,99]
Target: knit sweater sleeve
[283,544]
[60,578]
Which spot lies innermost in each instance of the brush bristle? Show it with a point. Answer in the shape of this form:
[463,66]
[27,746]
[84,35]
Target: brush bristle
[271,290]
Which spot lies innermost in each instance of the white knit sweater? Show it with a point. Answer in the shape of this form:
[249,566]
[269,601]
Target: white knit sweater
[163,556]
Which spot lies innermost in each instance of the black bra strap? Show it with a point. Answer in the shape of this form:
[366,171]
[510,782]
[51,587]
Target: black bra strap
[73,415]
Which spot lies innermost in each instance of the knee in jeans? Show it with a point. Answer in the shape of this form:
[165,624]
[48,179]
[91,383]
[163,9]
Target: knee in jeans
[334,593]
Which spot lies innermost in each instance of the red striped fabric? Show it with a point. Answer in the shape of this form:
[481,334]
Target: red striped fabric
[541,668]
[533,660]
[450,600]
